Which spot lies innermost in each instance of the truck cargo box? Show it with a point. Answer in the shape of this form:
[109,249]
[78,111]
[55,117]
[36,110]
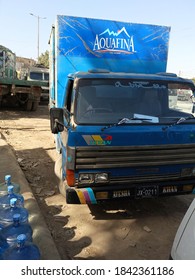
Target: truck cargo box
[80,44]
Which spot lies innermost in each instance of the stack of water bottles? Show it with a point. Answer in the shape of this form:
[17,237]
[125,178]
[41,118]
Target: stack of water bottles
[16,241]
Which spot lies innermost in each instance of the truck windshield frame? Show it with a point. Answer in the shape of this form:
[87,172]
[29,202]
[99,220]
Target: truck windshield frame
[107,101]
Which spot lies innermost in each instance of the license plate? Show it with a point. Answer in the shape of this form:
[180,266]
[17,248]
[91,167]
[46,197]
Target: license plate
[147,191]
[124,193]
[101,195]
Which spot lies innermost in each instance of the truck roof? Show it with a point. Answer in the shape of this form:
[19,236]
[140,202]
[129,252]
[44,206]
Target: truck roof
[94,74]
[39,69]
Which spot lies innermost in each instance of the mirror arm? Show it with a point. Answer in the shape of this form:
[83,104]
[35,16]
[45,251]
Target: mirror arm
[56,122]
[68,115]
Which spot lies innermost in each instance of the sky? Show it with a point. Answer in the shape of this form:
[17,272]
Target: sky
[19,29]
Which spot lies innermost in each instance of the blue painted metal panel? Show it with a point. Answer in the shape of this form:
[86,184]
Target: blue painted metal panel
[84,43]
[52,67]
[129,135]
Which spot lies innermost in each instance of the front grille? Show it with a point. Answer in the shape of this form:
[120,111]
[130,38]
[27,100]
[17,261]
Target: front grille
[94,157]
[146,178]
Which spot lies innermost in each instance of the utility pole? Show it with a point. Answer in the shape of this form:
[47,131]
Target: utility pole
[38,19]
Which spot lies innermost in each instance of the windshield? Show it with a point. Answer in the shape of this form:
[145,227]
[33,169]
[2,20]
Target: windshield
[36,76]
[41,76]
[107,101]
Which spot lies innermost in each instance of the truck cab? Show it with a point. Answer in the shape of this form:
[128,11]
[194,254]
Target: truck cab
[40,73]
[124,135]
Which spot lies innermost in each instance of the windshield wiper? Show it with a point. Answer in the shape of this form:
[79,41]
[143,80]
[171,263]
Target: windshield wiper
[126,121]
[180,120]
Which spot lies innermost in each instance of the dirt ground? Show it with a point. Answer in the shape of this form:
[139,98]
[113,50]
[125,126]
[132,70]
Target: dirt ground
[131,230]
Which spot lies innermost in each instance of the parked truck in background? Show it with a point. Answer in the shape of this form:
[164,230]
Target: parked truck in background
[121,132]
[14,91]
[40,73]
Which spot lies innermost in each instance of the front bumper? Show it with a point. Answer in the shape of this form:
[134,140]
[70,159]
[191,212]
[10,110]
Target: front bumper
[93,195]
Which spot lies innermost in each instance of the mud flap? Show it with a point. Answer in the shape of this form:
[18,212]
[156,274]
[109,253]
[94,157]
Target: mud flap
[80,196]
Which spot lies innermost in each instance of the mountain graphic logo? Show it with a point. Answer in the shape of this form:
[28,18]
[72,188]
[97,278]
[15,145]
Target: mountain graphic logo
[116,34]
[112,42]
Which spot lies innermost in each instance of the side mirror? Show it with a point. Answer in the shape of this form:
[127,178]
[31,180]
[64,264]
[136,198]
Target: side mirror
[193,108]
[56,120]
[193,103]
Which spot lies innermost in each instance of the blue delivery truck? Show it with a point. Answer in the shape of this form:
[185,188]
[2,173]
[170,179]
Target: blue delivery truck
[121,128]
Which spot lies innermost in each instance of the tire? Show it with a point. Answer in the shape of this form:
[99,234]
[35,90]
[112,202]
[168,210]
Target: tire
[35,105]
[62,188]
[58,167]
[58,173]
[28,105]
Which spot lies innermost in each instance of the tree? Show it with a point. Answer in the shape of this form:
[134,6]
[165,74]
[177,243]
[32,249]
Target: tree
[44,59]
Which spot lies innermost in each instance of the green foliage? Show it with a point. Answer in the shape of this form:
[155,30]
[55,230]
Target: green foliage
[44,59]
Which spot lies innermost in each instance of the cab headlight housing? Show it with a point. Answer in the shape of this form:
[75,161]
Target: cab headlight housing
[85,178]
[101,177]
[91,178]
[187,172]
[193,171]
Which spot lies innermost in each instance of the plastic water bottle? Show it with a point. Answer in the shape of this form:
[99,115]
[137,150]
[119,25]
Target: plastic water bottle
[22,250]
[6,215]
[6,183]
[10,232]
[5,199]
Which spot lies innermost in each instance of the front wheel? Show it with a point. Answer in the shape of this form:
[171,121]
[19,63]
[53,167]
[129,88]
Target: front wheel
[58,173]
[62,188]
[28,105]
[35,105]
[58,167]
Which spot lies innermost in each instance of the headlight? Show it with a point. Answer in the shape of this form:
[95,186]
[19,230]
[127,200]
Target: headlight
[101,177]
[193,171]
[186,172]
[90,178]
[86,178]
